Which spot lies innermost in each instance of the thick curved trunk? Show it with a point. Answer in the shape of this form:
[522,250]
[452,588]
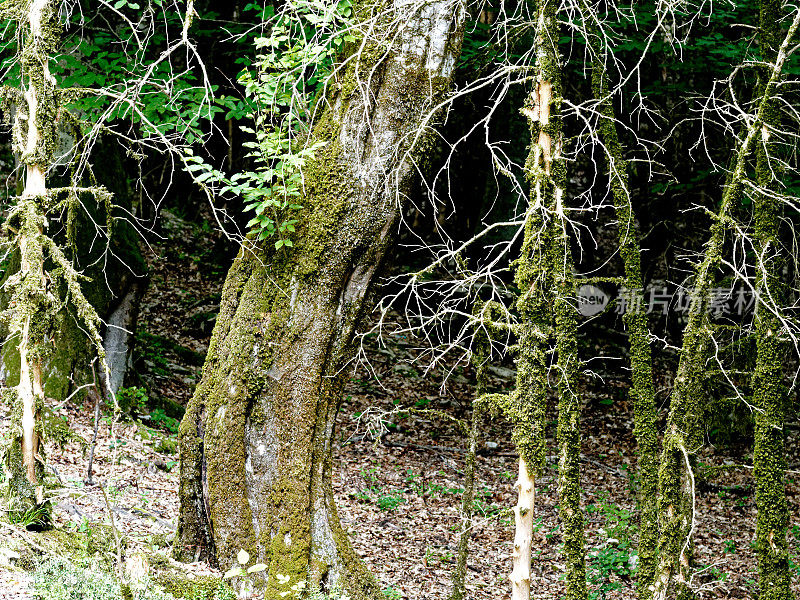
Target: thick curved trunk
[256,438]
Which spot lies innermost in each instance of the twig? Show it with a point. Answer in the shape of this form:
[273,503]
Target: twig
[117,540]
[98,393]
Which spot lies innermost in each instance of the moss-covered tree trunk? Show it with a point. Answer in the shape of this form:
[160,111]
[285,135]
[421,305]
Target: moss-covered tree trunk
[481,354]
[256,438]
[113,282]
[684,434]
[642,391]
[772,343]
[42,292]
[28,320]
[545,277]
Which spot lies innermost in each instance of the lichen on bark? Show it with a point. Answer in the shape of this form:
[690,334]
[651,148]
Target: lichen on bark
[544,275]
[46,280]
[479,359]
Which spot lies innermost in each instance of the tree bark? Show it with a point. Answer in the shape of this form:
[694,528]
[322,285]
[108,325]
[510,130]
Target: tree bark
[256,438]
[551,186]
[31,304]
[481,354]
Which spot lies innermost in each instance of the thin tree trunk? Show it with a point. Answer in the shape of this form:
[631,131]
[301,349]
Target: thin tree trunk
[30,380]
[545,274]
[480,361]
[553,187]
[769,390]
[256,439]
[643,395]
[523,534]
[28,315]
[683,434]
[33,308]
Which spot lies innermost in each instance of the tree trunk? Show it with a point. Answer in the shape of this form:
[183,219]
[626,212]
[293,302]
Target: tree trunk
[481,353]
[642,392]
[256,438]
[31,303]
[551,186]
[770,395]
[112,281]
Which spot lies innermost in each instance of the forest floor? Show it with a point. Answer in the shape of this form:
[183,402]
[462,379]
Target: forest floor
[399,495]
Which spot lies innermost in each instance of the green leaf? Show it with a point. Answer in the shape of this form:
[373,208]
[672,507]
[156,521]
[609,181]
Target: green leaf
[257,568]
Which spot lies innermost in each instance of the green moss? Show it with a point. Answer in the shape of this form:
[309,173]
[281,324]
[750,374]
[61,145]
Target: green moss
[770,395]
[277,305]
[180,585]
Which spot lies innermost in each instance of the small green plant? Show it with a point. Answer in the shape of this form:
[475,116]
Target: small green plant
[59,579]
[298,591]
[615,559]
[482,504]
[84,528]
[159,418]
[153,353]
[415,482]
[390,502]
[132,400]
[383,499]
[35,517]
[794,564]
[292,63]
[243,572]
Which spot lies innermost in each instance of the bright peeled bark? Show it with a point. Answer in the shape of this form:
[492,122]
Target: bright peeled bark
[523,534]
[550,185]
[545,277]
[256,438]
[46,287]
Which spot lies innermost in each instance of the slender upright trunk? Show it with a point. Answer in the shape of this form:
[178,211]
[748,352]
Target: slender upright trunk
[772,345]
[33,140]
[553,164]
[642,392]
[526,406]
[545,275]
[683,435]
[30,376]
[256,439]
[480,362]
